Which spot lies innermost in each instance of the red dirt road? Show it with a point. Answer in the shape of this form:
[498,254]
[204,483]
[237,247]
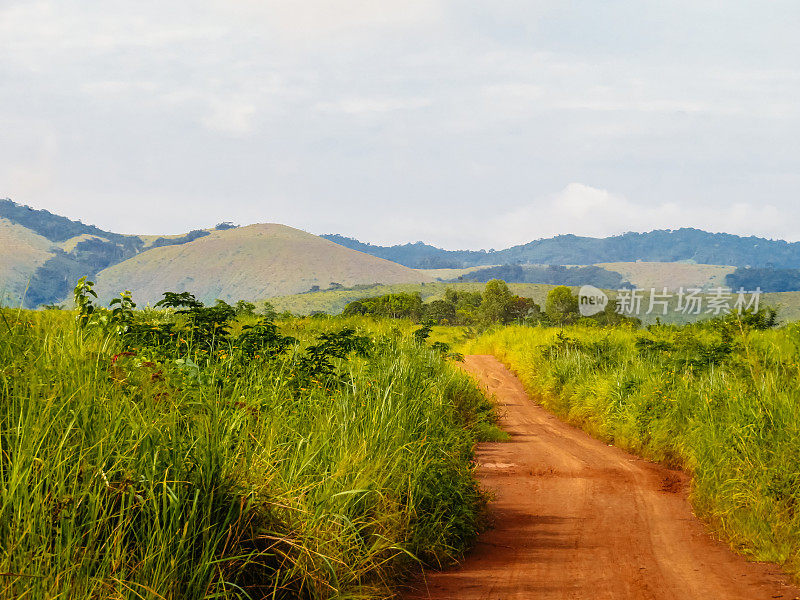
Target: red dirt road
[574,518]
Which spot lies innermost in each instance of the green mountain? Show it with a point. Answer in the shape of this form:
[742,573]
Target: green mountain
[68,250]
[679,245]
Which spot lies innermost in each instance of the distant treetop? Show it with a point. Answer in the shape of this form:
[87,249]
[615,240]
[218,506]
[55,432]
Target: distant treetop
[225,225]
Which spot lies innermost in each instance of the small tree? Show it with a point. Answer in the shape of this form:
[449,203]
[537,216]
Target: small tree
[497,299]
[523,310]
[225,225]
[268,311]
[245,308]
[440,312]
[562,306]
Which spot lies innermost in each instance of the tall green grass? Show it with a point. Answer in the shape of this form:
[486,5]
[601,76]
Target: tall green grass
[128,476]
[721,401]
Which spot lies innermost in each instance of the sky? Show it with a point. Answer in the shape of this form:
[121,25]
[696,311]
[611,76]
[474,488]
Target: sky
[471,124]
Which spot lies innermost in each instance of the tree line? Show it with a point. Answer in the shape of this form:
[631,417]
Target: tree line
[495,305]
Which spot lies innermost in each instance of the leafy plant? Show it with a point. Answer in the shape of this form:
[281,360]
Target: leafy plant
[263,340]
[84,296]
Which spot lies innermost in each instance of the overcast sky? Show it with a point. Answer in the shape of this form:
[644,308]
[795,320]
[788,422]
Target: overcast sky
[480,123]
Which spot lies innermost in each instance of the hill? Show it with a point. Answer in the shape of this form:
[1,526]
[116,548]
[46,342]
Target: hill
[253,262]
[45,254]
[656,275]
[24,251]
[417,255]
[452,274]
[65,250]
[550,274]
[679,245]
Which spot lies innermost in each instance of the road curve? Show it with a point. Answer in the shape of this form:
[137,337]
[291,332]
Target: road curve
[574,518]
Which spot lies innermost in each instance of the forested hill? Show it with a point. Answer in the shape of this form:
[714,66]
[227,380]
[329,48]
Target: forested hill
[656,246]
[67,250]
[55,227]
[417,255]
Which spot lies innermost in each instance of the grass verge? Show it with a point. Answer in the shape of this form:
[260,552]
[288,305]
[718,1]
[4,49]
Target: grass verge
[718,399]
[124,475]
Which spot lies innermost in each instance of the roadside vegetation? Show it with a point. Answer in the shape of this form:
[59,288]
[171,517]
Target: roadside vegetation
[211,452]
[718,398]
[496,304]
[231,451]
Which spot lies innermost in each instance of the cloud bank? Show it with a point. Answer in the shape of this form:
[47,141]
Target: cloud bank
[464,124]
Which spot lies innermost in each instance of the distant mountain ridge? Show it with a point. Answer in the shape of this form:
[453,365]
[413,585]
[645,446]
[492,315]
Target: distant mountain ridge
[687,244]
[42,255]
[75,250]
[417,255]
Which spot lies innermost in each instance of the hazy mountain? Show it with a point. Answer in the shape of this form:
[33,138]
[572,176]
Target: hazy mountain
[656,246]
[418,255]
[42,255]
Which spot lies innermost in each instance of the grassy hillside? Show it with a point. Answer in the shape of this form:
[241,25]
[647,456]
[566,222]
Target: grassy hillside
[54,227]
[253,262]
[448,274]
[23,251]
[788,304]
[75,249]
[45,254]
[649,275]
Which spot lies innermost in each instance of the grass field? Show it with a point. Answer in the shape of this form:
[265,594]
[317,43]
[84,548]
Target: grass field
[718,400]
[128,473]
[448,274]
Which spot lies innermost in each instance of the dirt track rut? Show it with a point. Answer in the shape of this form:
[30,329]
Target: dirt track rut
[574,518]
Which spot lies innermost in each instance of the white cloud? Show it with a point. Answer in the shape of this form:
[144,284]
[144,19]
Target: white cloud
[342,115]
[366,105]
[117,87]
[231,116]
[289,19]
[587,211]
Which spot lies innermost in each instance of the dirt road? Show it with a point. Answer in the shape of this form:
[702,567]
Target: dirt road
[574,518]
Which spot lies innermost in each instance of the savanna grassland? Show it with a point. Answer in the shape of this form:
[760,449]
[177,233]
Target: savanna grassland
[720,399]
[190,452]
[193,451]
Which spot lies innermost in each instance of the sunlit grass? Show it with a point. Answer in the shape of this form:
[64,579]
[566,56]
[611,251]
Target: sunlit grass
[127,476]
[734,423]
